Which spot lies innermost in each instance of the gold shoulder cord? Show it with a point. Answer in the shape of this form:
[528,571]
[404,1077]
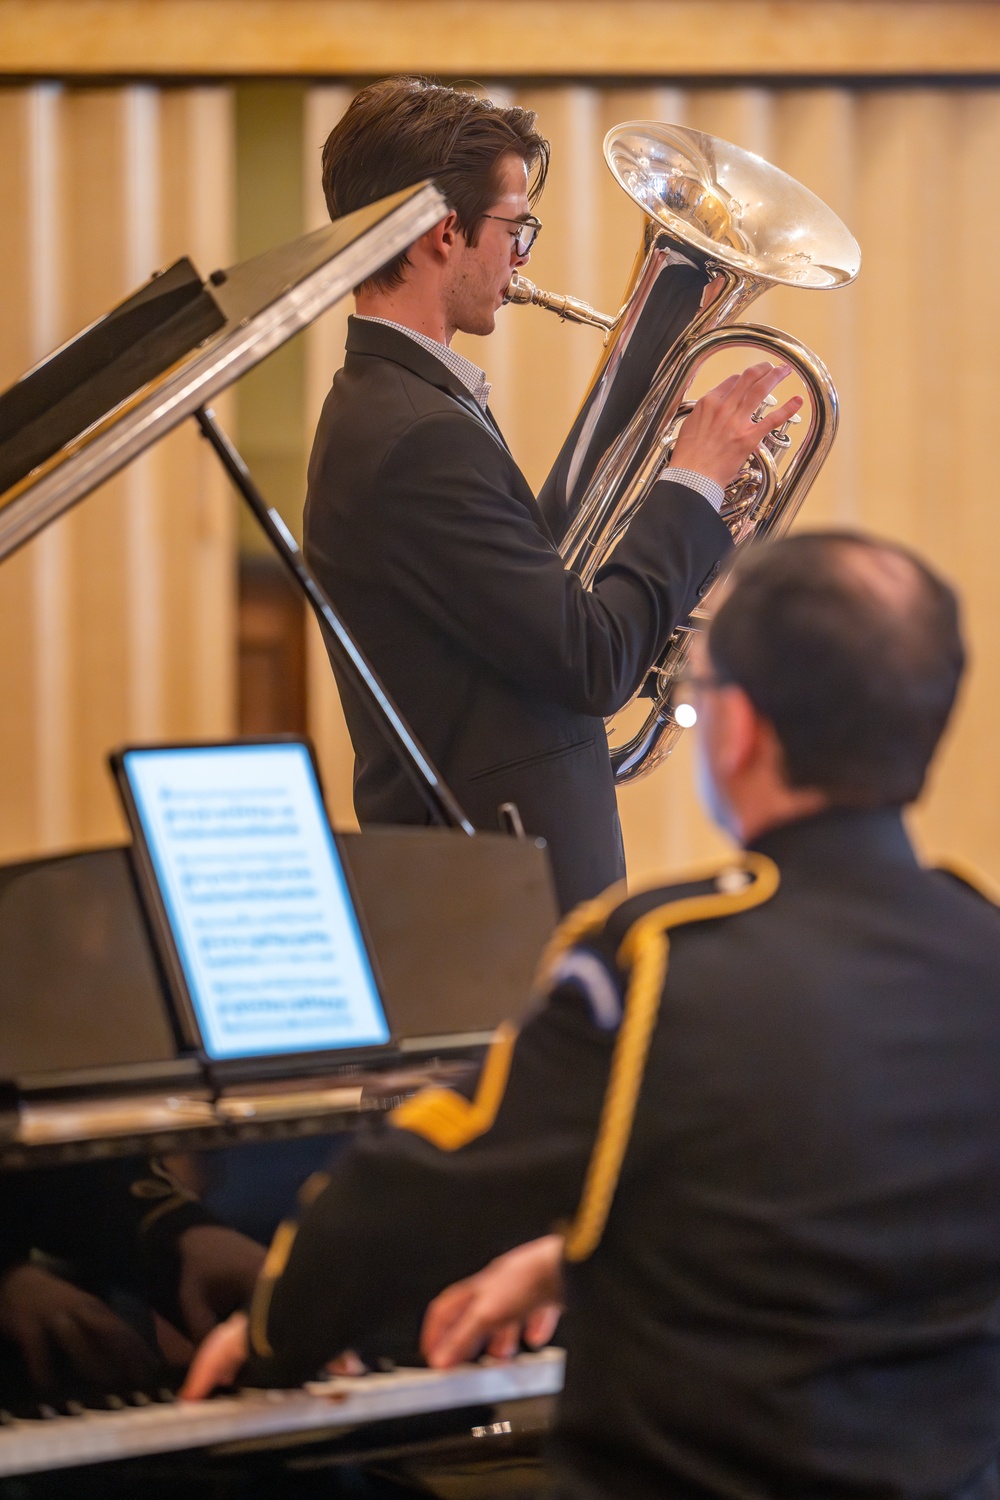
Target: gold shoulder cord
[274,1266]
[447,1119]
[645,950]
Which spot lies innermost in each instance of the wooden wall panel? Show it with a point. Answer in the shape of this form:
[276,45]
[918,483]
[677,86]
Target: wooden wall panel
[118,619]
[553,38]
[25,135]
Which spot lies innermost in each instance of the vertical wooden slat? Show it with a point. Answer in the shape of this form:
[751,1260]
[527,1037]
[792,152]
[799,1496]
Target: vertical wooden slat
[195,504]
[815,142]
[324,355]
[953,440]
[888,294]
[145,539]
[48,732]
[27,135]
[107,632]
[95,125]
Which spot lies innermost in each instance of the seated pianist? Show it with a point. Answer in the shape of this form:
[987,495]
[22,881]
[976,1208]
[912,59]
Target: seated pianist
[749,1137]
[108,1272]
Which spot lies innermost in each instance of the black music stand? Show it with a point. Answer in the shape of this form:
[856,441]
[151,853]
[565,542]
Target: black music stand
[92,406]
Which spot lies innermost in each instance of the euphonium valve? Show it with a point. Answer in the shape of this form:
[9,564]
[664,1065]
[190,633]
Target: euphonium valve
[720,227]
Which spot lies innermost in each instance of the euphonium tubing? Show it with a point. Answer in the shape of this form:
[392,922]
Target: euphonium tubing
[721,226]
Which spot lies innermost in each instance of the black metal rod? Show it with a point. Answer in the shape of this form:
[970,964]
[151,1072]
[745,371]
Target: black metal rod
[418,765]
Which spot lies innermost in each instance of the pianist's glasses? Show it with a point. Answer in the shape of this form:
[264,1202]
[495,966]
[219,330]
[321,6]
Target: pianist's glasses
[683,695]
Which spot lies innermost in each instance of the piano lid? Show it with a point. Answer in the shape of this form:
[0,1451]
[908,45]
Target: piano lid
[131,377]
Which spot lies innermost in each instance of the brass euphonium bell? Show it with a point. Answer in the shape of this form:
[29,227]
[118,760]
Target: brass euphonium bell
[721,226]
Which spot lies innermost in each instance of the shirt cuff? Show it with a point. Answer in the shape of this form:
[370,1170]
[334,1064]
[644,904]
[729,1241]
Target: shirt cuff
[711,489]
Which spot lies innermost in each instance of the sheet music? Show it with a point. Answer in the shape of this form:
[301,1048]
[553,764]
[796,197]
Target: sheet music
[256,897]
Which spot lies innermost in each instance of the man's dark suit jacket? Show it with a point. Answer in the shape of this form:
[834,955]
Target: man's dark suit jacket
[797,1293]
[426,536]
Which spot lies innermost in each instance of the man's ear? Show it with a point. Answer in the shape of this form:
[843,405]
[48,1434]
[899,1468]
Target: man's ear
[441,239]
[740,731]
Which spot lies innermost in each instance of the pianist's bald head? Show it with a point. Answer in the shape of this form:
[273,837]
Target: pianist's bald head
[852,648]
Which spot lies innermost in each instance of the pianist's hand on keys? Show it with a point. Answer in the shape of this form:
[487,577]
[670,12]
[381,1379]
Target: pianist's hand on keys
[219,1359]
[55,1325]
[517,1297]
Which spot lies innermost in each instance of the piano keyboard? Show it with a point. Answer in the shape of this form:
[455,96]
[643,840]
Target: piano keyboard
[92,1437]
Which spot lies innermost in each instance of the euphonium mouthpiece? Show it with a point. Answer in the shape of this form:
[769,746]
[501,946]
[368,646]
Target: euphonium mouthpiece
[569,308]
[520,289]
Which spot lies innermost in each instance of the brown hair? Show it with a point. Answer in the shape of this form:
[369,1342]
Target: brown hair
[398,131]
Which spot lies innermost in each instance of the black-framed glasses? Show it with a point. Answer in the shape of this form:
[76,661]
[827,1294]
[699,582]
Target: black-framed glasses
[525,231]
[680,700]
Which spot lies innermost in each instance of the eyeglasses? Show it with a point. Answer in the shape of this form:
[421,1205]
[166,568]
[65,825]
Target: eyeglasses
[679,701]
[525,231]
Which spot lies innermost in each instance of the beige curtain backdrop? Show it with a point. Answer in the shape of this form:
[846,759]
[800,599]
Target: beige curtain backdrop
[116,624]
[911,346]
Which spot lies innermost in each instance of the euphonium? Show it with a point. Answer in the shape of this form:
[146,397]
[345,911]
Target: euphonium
[721,226]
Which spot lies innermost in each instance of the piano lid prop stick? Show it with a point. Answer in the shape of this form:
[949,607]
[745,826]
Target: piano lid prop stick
[415,760]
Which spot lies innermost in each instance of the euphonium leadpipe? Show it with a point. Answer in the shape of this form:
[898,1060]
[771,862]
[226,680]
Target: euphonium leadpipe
[721,226]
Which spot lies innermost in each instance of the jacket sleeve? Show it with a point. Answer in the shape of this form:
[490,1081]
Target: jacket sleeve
[470,554]
[431,1195]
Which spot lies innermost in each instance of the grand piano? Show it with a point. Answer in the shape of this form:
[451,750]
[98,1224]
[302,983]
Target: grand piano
[90,1071]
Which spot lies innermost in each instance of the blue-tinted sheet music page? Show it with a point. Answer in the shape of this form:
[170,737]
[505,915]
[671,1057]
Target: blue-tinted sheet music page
[254,890]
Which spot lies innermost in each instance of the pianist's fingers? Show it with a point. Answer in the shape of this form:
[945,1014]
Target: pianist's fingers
[219,1359]
[33,1344]
[347,1363]
[505,1341]
[464,1318]
[452,1327]
[540,1326]
[104,1350]
[50,1321]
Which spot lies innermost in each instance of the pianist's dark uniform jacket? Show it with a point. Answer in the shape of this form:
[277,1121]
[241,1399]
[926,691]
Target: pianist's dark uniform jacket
[797,1291]
[427,538]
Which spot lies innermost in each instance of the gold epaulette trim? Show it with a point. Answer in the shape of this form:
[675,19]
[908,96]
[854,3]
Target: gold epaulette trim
[447,1119]
[588,917]
[645,951]
[274,1266]
[968,874]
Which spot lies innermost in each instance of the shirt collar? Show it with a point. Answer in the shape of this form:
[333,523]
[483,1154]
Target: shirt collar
[471,376]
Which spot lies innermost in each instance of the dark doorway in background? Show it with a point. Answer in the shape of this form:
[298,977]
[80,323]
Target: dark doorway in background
[272,650]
